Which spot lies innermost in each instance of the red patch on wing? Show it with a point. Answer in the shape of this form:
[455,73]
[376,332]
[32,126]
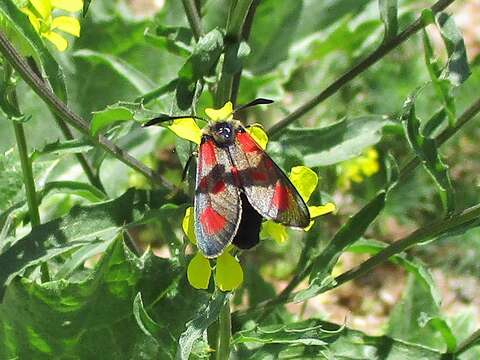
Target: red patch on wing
[208,153]
[247,143]
[259,175]
[280,197]
[234,172]
[212,222]
[203,185]
[219,187]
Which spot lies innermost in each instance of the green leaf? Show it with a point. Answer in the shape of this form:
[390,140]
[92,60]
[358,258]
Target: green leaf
[16,23]
[204,57]
[273,32]
[350,232]
[60,148]
[121,111]
[316,339]
[417,318]
[443,87]
[81,226]
[426,150]
[338,142]
[457,70]
[84,190]
[137,79]
[171,38]
[195,328]
[89,315]
[388,14]
[86,6]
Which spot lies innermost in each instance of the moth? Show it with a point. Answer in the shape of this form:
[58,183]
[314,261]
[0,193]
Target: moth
[238,185]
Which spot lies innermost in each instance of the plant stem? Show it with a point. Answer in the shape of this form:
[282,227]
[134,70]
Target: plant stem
[224,333]
[285,296]
[437,228]
[193,17]
[351,74]
[62,110]
[27,173]
[238,14]
[472,340]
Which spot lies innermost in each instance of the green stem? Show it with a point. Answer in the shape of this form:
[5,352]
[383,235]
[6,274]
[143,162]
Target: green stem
[224,333]
[351,74]
[64,112]
[238,14]
[435,229]
[27,173]
[472,340]
[193,17]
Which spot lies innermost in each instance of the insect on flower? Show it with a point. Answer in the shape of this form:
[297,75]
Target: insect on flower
[238,184]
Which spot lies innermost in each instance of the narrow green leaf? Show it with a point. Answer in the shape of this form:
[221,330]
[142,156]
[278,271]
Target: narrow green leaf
[351,231]
[316,339]
[388,14]
[84,190]
[137,79]
[86,6]
[341,141]
[426,150]
[457,70]
[60,148]
[200,323]
[144,321]
[121,111]
[443,87]
[175,40]
[11,180]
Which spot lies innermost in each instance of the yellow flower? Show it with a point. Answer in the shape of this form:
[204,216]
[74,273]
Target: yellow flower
[40,14]
[355,170]
[228,272]
[305,181]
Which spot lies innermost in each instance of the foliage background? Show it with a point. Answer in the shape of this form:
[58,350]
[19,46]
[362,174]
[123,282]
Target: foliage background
[95,294]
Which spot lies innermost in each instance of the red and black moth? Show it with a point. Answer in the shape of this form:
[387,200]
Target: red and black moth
[237,185]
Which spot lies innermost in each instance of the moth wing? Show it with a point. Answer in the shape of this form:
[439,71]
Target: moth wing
[217,199]
[267,188]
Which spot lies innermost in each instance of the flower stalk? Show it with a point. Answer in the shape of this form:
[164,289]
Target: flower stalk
[224,333]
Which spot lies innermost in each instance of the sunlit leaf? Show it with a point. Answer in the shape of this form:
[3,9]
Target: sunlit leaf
[186,128]
[220,114]
[258,134]
[188,225]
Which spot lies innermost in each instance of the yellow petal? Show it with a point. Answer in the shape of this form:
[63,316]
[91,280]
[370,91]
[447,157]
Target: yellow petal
[372,154]
[188,225]
[259,135]
[43,7]
[33,18]
[274,231]
[187,128]
[316,211]
[57,40]
[220,114]
[68,24]
[229,273]
[305,180]
[199,272]
[68,5]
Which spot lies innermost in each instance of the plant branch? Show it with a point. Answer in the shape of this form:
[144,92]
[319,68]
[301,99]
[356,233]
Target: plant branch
[356,70]
[59,108]
[285,296]
[193,17]
[236,19]
[472,340]
[27,173]
[224,333]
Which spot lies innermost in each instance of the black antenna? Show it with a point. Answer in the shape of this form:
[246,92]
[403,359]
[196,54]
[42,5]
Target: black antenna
[165,118]
[259,101]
